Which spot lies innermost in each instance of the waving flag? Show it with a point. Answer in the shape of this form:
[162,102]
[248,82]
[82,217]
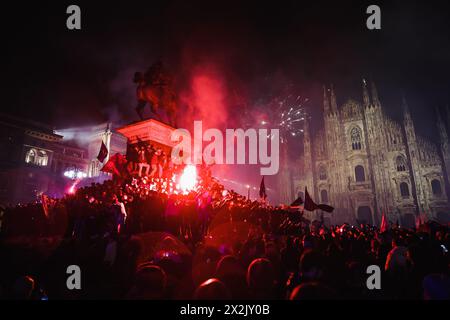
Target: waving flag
[297,204]
[384,223]
[103,153]
[116,165]
[45,205]
[262,189]
[310,205]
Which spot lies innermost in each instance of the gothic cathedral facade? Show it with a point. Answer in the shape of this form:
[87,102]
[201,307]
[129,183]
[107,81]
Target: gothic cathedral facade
[365,164]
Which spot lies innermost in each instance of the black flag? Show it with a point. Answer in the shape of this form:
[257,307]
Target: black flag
[310,205]
[298,202]
[262,189]
[103,153]
[325,208]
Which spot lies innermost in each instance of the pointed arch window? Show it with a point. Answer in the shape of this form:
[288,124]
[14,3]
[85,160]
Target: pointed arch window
[42,159]
[404,190]
[324,196]
[400,163]
[356,138]
[436,187]
[360,175]
[322,173]
[31,156]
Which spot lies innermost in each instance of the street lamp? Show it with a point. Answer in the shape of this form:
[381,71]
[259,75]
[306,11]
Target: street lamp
[75,174]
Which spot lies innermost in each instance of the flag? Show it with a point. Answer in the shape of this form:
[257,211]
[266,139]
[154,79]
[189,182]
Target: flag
[310,205]
[103,153]
[298,202]
[45,205]
[418,222]
[384,223]
[423,218]
[326,208]
[115,165]
[262,189]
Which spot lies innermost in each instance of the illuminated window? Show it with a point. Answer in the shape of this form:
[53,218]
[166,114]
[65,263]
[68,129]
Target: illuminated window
[359,174]
[30,156]
[436,187]
[42,158]
[355,135]
[404,190]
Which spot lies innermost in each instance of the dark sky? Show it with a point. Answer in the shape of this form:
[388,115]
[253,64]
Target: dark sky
[72,78]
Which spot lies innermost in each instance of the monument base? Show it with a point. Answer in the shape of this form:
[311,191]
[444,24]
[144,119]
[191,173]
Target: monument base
[148,131]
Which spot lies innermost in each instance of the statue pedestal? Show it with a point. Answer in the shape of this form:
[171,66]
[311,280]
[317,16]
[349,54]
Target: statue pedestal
[149,132]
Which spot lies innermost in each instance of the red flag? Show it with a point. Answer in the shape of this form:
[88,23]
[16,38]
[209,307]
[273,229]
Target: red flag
[384,223]
[115,165]
[423,218]
[103,153]
[45,204]
[418,222]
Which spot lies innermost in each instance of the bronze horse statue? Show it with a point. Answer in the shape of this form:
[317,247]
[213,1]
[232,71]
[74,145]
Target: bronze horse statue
[155,87]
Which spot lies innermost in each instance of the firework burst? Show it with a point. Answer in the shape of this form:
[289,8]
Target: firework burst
[287,114]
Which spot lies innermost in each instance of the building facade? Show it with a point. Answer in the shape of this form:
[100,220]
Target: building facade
[33,160]
[365,164]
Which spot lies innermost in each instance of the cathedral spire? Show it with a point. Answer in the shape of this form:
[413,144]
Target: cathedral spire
[375,99]
[333,101]
[326,102]
[366,98]
[306,129]
[307,155]
[441,126]
[447,111]
[306,136]
[405,107]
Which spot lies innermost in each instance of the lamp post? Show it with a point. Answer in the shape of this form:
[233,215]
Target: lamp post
[75,173]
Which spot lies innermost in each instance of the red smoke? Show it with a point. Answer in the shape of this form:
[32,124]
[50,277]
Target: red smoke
[205,98]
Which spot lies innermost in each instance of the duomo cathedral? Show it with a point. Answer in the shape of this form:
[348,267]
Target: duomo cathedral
[364,164]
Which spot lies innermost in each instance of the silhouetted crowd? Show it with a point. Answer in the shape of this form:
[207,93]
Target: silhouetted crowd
[141,240]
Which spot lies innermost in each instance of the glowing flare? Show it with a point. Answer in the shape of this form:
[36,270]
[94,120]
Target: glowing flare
[72,188]
[188,179]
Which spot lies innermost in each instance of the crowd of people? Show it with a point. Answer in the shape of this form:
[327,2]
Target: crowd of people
[145,238]
[149,160]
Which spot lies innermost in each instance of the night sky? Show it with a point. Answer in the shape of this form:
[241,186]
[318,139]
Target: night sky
[72,78]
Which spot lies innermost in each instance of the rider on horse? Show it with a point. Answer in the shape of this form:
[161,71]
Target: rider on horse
[155,87]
